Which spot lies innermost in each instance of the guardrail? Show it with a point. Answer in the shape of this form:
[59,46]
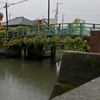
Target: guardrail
[60,28]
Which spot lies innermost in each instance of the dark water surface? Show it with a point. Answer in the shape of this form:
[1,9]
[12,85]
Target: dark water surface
[28,79]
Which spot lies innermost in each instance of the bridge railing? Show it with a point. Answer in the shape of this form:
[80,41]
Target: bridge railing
[63,28]
[60,28]
[42,29]
[79,28]
[16,32]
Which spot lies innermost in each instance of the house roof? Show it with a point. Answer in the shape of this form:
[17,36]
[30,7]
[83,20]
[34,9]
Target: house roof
[18,21]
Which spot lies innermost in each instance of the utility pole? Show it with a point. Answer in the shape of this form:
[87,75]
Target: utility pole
[63,20]
[48,12]
[6,6]
[9,15]
[56,15]
[6,17]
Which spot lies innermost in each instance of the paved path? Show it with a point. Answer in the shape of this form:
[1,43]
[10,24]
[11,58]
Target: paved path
[87,91]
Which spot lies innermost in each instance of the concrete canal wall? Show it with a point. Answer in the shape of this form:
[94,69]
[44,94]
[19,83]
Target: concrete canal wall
[76,69]
[87,91]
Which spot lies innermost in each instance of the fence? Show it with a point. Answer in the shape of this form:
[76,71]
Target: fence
[61,28]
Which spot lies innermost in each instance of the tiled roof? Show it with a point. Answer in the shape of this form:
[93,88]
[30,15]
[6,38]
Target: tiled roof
[18,21]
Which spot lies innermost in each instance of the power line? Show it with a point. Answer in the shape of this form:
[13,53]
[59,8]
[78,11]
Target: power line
[6,6]
[17,2]
[13,14]
[12,3]
[1,7]
[4,2]
[77,15]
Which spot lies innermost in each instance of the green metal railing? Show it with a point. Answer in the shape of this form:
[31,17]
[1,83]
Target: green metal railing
[61,28]
[17,32]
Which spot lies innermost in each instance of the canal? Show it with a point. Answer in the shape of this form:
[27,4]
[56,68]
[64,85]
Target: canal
[28,79]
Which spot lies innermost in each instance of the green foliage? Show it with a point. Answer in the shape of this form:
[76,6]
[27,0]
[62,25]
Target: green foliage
[77,20]
[75,26]
[19,30]
[4,42]
[5,28]
[77,44]
[66,87]
[2,33]
[22,29]
[35,22]
[13,42]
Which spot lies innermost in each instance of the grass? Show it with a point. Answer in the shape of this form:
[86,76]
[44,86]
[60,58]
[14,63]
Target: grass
[66,87]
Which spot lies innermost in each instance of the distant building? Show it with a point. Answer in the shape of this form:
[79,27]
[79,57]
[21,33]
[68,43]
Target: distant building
[44,21]
[18,21]
[52,21]
[21,21]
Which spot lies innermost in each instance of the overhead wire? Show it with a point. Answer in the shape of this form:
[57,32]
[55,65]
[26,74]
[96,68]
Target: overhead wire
[4,2]
[12,12]
[17,2]
[78,15]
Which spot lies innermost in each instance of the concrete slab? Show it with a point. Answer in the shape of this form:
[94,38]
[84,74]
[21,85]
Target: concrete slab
[87,91]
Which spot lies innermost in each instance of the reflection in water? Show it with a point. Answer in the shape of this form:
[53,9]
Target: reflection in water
[27,80]
[58,64]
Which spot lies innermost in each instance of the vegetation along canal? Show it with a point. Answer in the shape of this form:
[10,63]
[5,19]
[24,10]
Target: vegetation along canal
[28,79]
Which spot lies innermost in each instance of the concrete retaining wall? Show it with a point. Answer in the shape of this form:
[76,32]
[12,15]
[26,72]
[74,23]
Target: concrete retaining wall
[6,50]
[77,68]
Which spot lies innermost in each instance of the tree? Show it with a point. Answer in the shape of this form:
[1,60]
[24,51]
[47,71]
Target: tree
[79,21]
[76,26]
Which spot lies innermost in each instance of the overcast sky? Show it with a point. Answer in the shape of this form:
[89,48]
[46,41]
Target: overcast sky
[88,10]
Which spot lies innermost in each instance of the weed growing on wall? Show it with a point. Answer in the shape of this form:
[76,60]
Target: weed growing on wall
[77,44]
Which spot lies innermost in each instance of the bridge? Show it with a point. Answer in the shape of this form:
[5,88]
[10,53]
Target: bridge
[60,28]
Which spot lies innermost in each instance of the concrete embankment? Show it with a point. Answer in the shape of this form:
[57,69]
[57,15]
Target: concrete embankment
[77,68]
[87,91]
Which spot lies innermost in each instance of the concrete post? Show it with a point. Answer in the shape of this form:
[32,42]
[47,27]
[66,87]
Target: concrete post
[26,52]
[53,51]
[40,51]
[22,53]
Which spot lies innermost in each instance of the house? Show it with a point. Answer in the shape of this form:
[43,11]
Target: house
[18,21]
[44,21]
[52,21]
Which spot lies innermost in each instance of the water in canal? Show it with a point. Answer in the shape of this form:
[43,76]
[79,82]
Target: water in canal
[28,79]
